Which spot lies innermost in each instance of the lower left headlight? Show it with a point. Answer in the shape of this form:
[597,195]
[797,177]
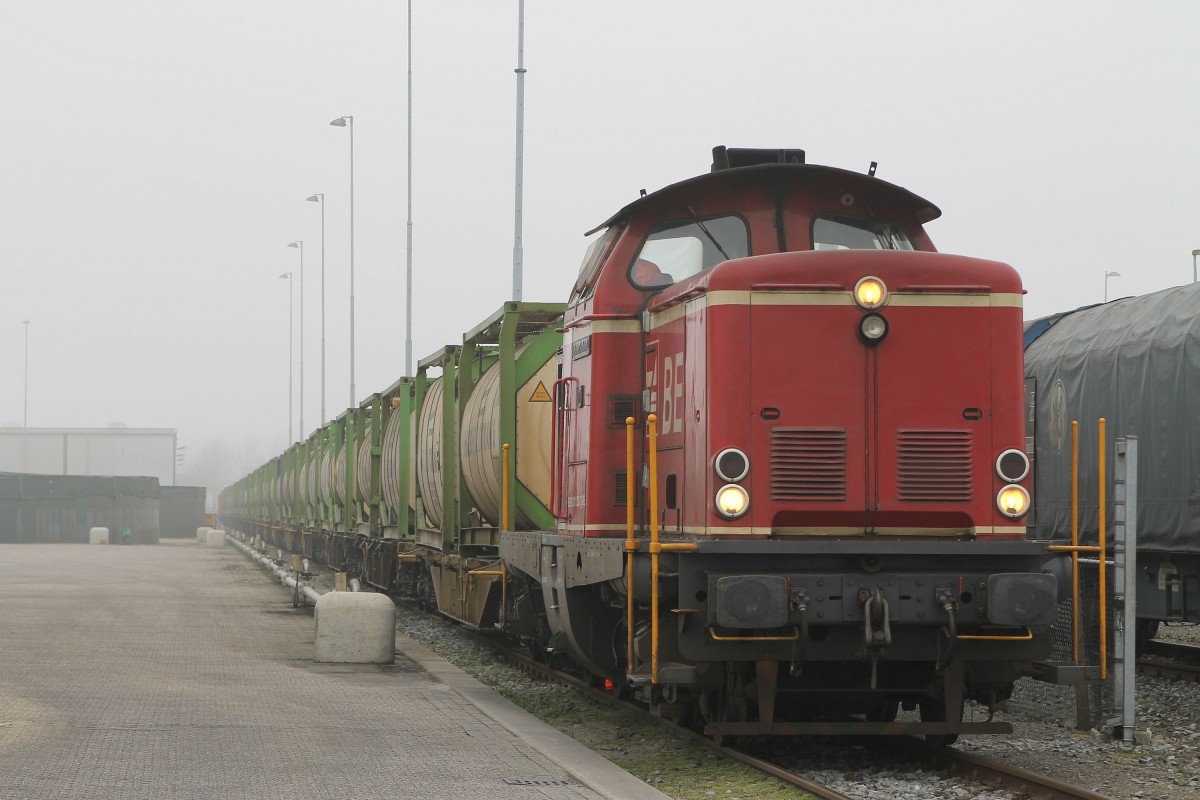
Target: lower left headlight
[1013,501]
[732,500]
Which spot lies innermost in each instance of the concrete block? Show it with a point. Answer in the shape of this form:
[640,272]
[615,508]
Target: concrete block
[98,536]
[355,628]
[216,538]
[202,534]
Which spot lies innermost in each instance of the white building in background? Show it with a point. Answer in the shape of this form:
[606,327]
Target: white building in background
[115,450]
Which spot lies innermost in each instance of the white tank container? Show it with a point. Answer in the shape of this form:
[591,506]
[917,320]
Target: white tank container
[390,471]
[481,453]
[98,536]
[202,533]
[429,452]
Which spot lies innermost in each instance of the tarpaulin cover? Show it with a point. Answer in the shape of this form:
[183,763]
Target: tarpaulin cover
[1136,363]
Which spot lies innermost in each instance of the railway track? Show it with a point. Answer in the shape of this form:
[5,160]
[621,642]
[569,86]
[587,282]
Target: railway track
[1022,783]
[1171,660]
[988,773]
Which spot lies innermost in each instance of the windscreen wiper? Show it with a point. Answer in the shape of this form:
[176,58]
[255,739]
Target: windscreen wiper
[707,233]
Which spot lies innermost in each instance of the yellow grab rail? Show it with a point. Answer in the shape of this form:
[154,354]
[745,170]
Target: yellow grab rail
[1076,624]
[504,521]
[719,638]
[995,637]
[505,525]
[1103,565]
[631,544]
[652,425]
[1098,549]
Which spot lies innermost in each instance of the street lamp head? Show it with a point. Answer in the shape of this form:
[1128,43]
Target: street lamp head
[316,198]
[1195,253]
[1112,274]
[342,122]
[286,276]
[299,244]
[25,321]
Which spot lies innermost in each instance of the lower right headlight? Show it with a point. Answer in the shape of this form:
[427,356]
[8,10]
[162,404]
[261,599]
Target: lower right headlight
[732,501]
[1013,501]
[1022,599]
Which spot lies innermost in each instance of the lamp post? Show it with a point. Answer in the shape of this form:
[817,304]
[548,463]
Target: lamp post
[408,256]
[288,277]
[1194,254]
[518,251]
[319,197]
[1108,275]
[348,122]
[25,322]
[299,244]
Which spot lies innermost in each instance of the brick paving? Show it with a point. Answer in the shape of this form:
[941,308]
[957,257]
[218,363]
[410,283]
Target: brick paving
[178,671]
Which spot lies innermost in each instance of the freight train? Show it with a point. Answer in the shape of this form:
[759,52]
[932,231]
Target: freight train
[764,470]
[1136,363]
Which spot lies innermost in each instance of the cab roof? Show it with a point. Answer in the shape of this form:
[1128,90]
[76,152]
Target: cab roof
[768,173]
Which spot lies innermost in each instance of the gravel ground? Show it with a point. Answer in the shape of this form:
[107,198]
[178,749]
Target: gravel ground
[1044,741]
[1166,769]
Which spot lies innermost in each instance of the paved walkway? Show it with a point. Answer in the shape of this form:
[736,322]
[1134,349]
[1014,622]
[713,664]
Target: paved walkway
[178,671]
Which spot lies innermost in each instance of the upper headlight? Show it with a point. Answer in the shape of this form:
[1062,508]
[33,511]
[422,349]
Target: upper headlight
[1012,465]
[732,501]
[870,293]
[1013,501]
[731,464]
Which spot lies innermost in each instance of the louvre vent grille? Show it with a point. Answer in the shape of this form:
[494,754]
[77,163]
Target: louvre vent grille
[808,464]
[621,485]
[934,466]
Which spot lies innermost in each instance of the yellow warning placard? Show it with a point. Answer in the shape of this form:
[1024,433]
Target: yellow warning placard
[540,394]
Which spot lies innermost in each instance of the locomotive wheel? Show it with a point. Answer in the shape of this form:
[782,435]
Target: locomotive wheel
[883,711]
[540,643]
[934,710]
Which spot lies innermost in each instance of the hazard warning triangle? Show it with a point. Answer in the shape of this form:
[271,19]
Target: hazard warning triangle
[540,394]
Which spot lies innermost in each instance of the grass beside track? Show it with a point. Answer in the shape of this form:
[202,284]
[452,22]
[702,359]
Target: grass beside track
[676,766]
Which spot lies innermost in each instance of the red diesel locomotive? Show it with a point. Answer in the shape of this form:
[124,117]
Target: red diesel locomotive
[841,482]
[767,464]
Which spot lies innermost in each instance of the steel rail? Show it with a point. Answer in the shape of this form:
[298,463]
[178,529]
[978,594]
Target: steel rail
[1023,783]
[1184,663]
[1187,652]
[1171,670]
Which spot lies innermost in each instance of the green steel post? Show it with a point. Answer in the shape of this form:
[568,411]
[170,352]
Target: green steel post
[451,368]
[350,519]
[469,370]
[420,388]
[377,422]
[405,467]
[508,408]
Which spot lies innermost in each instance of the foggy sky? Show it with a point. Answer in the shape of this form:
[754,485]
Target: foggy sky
[155,158]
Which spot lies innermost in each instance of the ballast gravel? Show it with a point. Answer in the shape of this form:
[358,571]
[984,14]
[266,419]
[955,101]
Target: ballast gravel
[1045,741]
